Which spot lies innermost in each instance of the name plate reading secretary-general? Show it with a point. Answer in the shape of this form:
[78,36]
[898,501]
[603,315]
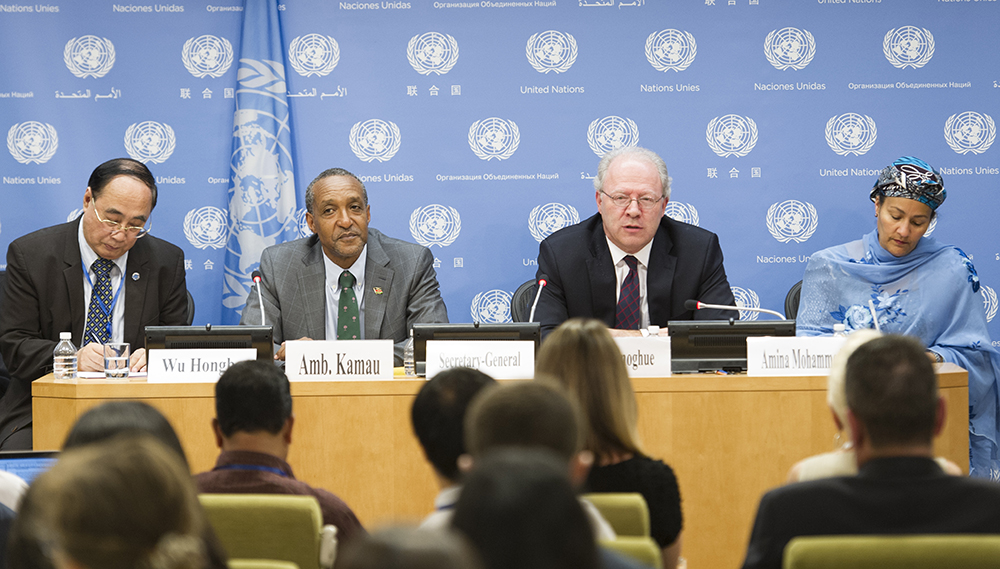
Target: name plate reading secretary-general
[344,360]
[645,357]
[791,355]
[503,359]
[203,365]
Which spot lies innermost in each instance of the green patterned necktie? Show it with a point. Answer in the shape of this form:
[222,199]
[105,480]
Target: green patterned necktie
[348,324]
[100,311]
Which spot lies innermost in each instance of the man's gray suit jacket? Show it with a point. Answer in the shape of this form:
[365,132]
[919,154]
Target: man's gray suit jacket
[294,278]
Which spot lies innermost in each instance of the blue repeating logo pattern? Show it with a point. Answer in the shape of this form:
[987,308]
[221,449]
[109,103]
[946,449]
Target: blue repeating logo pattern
[989,302]
[544,220]
[551,51]
[491,307]
[792,220]
[970,132]
[746,298]
[435,225]
[789,48]
[494,138]
[206,227]
[89,56]
[609,133]
[731,135]
[432,52]
[150,141]
[32,141]
[313,54]
[375,139]
[682,212]
[671,50]
[851,133]
[908,46]
[207,56]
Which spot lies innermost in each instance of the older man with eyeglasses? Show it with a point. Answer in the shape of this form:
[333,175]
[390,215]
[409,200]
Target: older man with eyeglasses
[101,277]
[629,265]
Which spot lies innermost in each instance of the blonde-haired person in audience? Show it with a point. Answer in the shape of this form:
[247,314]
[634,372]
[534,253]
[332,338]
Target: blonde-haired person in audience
[128,503]
[841,462]
[583,357]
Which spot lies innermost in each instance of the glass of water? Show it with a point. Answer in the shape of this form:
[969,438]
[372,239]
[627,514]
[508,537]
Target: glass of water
[116,355]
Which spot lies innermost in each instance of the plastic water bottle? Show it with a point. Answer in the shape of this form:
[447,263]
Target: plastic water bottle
[64,357]
[839,330]
[409,365]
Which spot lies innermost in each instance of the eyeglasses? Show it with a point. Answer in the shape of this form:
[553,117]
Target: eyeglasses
[114,226]
[645,203]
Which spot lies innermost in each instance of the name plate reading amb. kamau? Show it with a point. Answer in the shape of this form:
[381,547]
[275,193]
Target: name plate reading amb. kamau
[645,357]
[501,359]
[193,365]
[791,356]
[344,360]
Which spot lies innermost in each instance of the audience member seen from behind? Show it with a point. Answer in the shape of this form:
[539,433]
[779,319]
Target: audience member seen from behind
[583,357]
[894,412]
[519,510]
[409,548]
[127,503]
[253,427]
[438,416]
[118,418]
[841,461]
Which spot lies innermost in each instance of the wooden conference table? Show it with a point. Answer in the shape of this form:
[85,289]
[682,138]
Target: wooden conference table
[728,438]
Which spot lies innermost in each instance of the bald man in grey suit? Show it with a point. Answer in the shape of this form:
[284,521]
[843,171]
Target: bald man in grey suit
[394,280]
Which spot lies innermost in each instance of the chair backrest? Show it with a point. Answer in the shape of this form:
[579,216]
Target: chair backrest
[645,550]
[190,303]
[627,512]
[893,552]
[520,302]
[267,526]
[792,301]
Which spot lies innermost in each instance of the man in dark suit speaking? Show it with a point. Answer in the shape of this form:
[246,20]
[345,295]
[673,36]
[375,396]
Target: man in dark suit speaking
[346,281]
[101,277]
[629,265]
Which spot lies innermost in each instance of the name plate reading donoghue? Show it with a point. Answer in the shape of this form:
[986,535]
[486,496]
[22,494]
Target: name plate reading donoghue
[791,355]
[504,359]
[346,360]
[194,365]
[645,357]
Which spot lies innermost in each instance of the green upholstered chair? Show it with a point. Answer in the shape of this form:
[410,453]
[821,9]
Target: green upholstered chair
[893,552]
[627,513]
[643,549]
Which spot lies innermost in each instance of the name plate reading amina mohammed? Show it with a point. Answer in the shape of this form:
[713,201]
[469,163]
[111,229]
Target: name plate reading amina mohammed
[502,359]
[344,360]
[791,355]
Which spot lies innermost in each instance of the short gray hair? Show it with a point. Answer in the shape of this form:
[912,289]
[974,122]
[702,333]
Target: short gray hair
[326,174]
[636,152]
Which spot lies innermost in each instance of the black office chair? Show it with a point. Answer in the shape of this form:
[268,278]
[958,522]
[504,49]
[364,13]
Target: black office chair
[792,301]
[520,303]
[190,308]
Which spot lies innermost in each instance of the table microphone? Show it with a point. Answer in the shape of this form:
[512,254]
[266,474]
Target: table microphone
[257,278]
[542,281]
[696,305]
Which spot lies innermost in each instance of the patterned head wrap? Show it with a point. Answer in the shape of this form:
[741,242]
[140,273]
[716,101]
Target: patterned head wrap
[913,179]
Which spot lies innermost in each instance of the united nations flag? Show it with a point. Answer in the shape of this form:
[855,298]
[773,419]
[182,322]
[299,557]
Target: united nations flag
[609,133]
[494,138]
[435,225]
[671,50]
[908,46]
[313,54]
[789,48]
[551,51]
[150,141]
[432,52]
[206,227]
[792,220]
[851,133]
[970,132]
[32,141]
[746,298]
[683,212]
[731,135]
[89,56]
[545,220]
[491,307]
[207,56]
[989,302]
[375,139]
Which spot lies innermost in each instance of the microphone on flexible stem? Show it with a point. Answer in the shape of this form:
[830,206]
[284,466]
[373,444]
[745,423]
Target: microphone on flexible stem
[256,276]
[696,305]
[542,281]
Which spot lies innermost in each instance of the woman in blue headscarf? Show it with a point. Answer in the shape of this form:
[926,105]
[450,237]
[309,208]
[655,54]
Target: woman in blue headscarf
[899,281]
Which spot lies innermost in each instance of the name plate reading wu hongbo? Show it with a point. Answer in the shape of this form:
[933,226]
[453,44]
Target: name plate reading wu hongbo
[503,359]
[645,357]
[194,365]
[791,356]
[346,360]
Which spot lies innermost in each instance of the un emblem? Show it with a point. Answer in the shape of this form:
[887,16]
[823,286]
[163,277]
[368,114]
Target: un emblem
[150,142]
[89,56]
[207,56]
[432,53]
[908,46]
[32,141]
[682,212]
[491,307]
[494,138]
[671,49]
[545,220]
[989,302]
[375,139]
[792,220]
[931,226]
[313,54]
[731,135]
[789,48]
[74,214]
[609,133]
[551,51]
[302,223]
[851,133]
[970,132]
[206,227]
[746,298]
[435,225]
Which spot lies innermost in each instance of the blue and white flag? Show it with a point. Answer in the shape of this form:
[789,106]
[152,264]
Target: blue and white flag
[262,184]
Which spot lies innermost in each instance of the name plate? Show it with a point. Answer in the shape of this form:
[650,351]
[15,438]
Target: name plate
[645,357]
[194,365]
[346,360]
[791,355]
[503,359]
